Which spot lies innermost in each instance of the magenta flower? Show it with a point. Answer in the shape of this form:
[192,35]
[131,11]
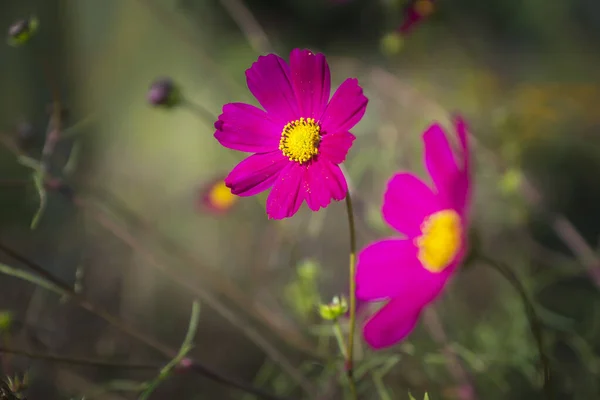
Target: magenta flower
[411,272]
[415,13]
[301,137]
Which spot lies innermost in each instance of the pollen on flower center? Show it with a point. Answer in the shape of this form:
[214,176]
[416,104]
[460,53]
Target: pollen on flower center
[440,240]
[300,140]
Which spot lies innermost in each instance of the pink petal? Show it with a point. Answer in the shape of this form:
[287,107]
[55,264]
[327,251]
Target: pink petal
[346,108]
[288,192]
[335,146]
[463,189]
[244,127]
[323,181]
[318,194]
[269,81]
[390,268]
[311,81]
[462,131]
[394,322]
[440,161]
[256,173]
[335,180]
[407,201]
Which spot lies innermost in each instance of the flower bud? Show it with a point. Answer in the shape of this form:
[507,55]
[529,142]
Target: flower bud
[511,181]
[22,31]
[308,270]
[164,93]
[334,310]
[391,43]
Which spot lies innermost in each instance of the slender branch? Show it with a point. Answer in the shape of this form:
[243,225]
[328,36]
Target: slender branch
[166,351]
[13,182]
[534,321]
[255,34]
[77,360]
[55,123]
[352,278]
[200,111]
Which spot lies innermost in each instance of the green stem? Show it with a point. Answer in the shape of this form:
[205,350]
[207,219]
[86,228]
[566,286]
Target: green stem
[534,321]
[352,278]
[200,111]
[339,337]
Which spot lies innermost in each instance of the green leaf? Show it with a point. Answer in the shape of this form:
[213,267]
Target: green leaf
[38,180]
[71,163]
[29,163]
[36,280]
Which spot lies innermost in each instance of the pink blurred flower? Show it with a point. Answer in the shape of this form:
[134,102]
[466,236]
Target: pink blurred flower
[301,137]
[414,13]
[411,272]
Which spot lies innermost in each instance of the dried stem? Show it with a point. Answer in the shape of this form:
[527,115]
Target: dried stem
[254,33]
[78,360]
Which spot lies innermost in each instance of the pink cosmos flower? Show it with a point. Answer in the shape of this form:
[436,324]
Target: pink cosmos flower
[411,272]
[299,139]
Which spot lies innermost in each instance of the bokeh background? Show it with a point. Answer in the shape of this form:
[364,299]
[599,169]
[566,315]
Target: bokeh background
[523,73]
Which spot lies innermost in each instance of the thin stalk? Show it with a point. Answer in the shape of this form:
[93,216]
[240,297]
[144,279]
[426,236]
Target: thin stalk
[352,278]
[77,360]
[339,337]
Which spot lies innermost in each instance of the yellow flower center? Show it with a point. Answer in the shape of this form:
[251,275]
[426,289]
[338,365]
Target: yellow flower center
[424,7]
[300,140]
[220,196]
[440,240]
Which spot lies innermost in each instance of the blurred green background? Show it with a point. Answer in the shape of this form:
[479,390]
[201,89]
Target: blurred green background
[523,73]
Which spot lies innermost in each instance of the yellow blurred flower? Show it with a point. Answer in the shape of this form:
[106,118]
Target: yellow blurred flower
[217,198]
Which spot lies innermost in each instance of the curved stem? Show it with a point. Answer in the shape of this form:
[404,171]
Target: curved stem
[200,111]
[77,360]
[352,278]
[534,321]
